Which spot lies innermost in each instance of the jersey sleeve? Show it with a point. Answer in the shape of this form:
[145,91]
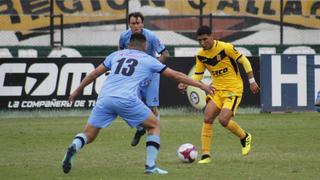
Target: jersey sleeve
[156,43]
[245,63]
[238,57]
[232,52]
[156,66]
[199,70]
[108,61]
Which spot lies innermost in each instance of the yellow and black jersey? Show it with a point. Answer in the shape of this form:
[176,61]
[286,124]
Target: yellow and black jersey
[222,63]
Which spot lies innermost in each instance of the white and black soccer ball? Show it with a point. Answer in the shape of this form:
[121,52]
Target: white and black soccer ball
[187,153]
[196,96]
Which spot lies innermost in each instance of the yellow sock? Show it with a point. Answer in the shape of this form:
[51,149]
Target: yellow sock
[236,129]
[206,138]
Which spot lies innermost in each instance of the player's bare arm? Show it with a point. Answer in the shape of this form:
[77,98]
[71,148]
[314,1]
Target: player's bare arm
[164,55]
[253,84]
[87,80]
[180,77]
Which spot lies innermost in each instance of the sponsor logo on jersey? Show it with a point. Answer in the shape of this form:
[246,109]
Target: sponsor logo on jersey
[220,72]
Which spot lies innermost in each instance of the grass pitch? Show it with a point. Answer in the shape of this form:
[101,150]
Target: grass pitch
[285,146]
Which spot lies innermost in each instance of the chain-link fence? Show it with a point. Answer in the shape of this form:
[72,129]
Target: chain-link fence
[100,22]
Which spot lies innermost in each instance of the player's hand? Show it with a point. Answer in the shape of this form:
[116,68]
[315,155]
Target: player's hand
[182,88]
[254,88]
[208,89]
[73,96]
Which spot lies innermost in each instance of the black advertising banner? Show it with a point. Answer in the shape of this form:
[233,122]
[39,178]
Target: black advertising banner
[170,96]
[30,83]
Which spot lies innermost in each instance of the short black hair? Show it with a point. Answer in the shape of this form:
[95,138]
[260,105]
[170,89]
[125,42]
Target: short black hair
[137,38]
[204,30]
[136,15]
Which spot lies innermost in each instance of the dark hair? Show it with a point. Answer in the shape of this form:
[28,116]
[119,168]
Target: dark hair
[204,30]
[136,15]
[137,38]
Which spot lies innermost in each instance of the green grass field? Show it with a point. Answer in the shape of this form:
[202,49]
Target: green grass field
[285,146]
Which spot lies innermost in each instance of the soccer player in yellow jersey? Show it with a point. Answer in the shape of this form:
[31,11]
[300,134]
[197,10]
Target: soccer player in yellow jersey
[221,59]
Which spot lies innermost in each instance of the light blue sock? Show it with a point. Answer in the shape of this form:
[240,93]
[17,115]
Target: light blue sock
[80,140]
[153,145]
[158,117]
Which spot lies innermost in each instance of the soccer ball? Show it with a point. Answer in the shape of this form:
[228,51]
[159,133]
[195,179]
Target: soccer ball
[196,96]
[187,153]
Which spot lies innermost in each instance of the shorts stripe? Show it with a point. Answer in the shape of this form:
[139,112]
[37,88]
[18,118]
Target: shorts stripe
[234,103]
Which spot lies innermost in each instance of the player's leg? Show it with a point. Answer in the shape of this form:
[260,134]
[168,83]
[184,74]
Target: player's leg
[226,119]
[153,138]
[87,136]
[150,95]
[152,145]
[210,113]
[140,131]
[138,113]
[101,117]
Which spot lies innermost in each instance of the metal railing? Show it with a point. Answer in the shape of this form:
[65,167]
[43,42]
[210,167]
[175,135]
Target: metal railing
[53,17]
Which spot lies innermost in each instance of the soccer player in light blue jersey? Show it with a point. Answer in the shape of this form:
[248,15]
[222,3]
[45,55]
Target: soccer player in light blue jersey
[119,97]
[149,90]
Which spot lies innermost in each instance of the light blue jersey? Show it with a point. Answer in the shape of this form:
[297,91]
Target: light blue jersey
[119,93]
[149,89]
[153,43]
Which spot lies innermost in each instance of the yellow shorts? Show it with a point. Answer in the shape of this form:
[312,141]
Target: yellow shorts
[225,100]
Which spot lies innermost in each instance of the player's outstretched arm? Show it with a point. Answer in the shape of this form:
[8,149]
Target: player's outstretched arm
[180,77]
[164,55]
[87,80]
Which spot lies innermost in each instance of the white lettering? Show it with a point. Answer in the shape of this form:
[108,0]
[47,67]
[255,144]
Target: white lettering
[48,85]
[278,78]
[91,103]
[8,68]
[46,103]
[79,103]
[14,104]
[76,70]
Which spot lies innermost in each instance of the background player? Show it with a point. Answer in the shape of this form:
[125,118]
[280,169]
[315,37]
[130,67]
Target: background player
[221,60]
[118,96]
[149,91]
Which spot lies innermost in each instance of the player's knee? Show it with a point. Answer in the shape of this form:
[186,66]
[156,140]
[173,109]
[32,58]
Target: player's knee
[208,119]
[223,121]
[154,128]
[152,124]
[156,124]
